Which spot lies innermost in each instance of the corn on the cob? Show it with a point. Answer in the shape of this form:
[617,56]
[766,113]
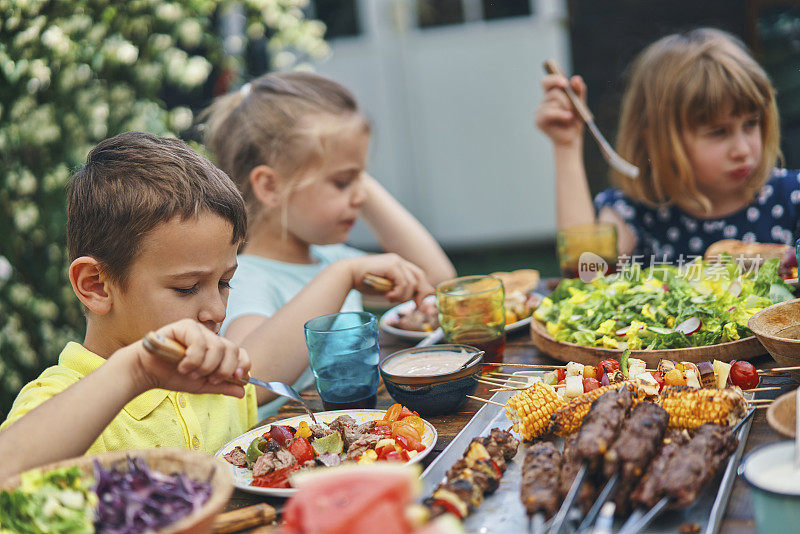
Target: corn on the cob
[568,418]
[530,410]
[689,408]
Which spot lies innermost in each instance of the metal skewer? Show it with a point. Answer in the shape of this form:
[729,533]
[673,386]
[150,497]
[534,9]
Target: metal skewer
[559,519]
[648,517]
[537,523]
[605,494]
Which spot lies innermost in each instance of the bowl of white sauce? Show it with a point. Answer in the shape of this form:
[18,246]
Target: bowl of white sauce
[774,485]
[432,380]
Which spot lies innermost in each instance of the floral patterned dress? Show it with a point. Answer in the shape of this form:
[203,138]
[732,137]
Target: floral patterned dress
[668,235]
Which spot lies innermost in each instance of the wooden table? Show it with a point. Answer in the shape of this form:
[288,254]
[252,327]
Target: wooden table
[520,349]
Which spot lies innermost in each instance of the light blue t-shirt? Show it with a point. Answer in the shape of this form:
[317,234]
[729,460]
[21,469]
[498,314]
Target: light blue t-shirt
[261,286]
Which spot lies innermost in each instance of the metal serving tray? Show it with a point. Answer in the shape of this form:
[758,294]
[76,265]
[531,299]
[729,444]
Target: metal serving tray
[503,511]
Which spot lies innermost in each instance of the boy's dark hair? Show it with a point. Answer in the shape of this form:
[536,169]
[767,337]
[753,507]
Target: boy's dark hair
[131,183]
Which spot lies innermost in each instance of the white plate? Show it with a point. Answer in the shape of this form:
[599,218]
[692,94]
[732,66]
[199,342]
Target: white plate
[242,477]
[393,314]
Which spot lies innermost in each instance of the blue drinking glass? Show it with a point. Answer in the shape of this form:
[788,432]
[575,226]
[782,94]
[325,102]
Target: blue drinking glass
[344,353]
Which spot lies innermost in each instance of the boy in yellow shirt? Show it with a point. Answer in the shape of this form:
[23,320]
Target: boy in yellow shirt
[152,232]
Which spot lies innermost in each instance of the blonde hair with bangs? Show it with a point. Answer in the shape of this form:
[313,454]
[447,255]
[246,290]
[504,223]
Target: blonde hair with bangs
[684,81]
[280,120]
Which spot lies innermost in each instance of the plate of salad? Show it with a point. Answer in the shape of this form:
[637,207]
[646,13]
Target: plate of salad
[696,312]
[155,490]
[265,459]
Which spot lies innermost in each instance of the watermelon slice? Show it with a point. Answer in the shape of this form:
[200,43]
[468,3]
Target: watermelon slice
[352,499]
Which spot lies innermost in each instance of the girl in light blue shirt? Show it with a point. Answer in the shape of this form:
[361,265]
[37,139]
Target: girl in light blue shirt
[296,145]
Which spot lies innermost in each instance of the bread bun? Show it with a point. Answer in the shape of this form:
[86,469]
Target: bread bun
[749,255]
[522,280]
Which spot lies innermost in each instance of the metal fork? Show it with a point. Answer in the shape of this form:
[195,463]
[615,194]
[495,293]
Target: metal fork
[170,350]
[615,160]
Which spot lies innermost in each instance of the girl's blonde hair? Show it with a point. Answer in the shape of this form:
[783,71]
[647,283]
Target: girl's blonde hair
[265,123]
[684,81]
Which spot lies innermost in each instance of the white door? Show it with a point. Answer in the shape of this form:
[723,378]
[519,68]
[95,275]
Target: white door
[452,110]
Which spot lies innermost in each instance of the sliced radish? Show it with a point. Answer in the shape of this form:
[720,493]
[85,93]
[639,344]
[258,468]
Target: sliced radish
[731,308]
[735,288]
[666,287]
[690,326]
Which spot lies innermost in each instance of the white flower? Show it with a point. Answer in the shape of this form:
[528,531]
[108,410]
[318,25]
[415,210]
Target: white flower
[283,60]
[753,213]
[169,12]
[777,210]
[749,237]
[196,71]
[26,217]
[54,38]
[695,244]
[126,53]
[181,118]
[5,269]
[190,33]
[730,231]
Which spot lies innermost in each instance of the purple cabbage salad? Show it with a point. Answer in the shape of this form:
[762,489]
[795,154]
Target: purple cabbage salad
[142,500]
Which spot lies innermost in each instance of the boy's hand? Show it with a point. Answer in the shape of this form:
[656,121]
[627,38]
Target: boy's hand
[409,280]
[555,115]
[209,362]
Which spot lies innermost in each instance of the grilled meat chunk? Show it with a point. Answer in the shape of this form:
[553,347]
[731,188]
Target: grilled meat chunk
[697,463]
[570,465]
[360,445]
[638,440]
[540,477]
[348,428]
[601,426]
[270,461]
[648,491]
[237,457]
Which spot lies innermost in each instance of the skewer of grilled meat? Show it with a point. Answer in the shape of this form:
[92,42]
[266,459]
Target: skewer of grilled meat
[570,465]
[598,431]
[638,442]
[477,473]
[699,460]
[540,479]
[630,454]
[601,426]
[684,468]
[647,492]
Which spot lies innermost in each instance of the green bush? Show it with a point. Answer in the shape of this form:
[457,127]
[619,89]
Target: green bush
[71,74]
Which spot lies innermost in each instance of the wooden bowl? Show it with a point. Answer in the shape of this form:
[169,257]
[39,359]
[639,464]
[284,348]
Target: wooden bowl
[741,349]
[781,414]
[196,465]
[777,327]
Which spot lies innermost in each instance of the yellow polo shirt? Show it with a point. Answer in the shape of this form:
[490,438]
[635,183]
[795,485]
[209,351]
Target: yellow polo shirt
[156,418]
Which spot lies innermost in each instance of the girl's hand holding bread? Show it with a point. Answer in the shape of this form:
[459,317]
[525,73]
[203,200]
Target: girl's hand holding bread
[409,280]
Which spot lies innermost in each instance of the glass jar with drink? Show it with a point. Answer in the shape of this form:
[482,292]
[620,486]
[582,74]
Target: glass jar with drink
[586,250]
[472,312]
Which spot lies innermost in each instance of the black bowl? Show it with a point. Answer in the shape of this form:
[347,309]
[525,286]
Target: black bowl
[433,394]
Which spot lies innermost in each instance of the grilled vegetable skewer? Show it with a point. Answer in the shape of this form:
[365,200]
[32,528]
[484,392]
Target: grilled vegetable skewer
[477,473]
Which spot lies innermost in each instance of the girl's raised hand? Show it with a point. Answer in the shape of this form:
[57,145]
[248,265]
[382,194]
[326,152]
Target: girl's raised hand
[209,362]
[409,280]
[555,115]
